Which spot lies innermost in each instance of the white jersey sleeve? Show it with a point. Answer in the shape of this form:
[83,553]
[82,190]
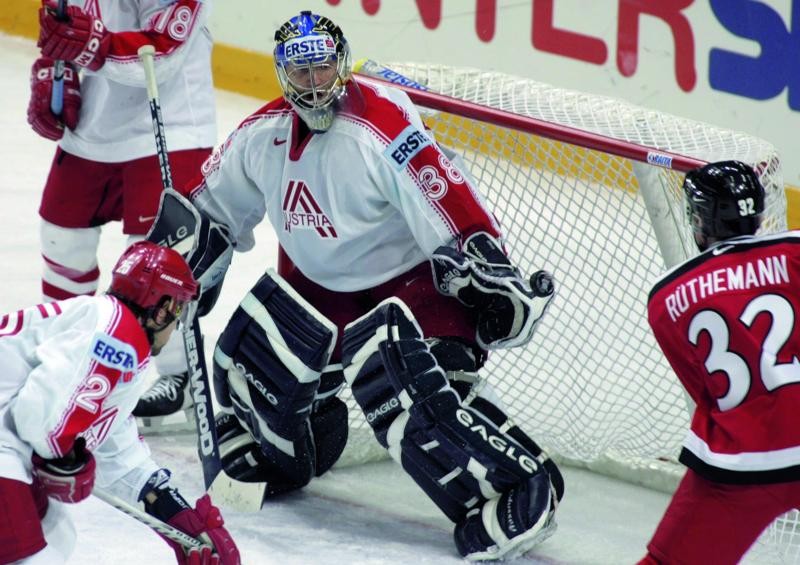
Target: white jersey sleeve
[123,461]
[230,192]
[170,26]
[429,185]
[79,366]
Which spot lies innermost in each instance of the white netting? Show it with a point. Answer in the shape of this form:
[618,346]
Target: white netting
[593,385]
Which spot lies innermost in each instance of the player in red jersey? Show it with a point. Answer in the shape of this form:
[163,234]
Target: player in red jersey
[727,321]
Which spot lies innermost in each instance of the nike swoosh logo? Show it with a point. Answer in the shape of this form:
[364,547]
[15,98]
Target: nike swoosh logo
[277,141]
[720,250]
[143,219]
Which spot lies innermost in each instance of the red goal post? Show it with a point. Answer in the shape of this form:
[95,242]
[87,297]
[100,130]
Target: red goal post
[541,128]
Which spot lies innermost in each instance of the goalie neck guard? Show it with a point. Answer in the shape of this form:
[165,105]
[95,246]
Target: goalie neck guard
[312,59]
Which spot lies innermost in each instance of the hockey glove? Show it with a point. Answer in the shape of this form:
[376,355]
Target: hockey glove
[81,38]
[205,244]
[203,522]
[482,277]
[41,119]
[69,478]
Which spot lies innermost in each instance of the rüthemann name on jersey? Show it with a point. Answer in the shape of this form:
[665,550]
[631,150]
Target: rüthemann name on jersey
[752,274]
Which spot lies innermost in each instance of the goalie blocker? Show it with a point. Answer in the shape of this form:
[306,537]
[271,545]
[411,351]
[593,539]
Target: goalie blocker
[281,422]
[483,472]
[205,244]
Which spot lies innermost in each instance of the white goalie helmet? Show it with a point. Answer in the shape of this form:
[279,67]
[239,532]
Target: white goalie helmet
[312,59]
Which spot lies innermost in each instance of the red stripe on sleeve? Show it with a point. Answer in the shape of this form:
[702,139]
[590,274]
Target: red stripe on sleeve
[442,184]
[166,31]
[88,401]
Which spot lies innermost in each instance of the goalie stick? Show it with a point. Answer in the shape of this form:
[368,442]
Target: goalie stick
[57,95]
[152,522]
[244,497]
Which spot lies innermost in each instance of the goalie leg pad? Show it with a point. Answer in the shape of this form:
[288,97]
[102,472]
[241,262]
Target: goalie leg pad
[267,367]
[244,460]
[329,420]
[453,451]
[461,362]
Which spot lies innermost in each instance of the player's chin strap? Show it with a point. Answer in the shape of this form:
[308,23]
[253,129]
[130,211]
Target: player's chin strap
[145,315]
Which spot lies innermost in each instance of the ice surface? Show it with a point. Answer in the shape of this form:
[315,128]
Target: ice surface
[370,514]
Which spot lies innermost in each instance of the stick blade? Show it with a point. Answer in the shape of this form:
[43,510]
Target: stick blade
[237,495]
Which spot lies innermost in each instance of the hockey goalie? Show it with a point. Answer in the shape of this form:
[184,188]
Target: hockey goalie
[392,277]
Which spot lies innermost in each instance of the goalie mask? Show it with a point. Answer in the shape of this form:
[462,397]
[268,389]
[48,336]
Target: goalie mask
[312,59]
[723,200]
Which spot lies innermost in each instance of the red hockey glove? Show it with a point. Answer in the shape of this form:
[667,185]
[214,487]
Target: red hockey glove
[81,38]
[40,117]
[204,522]
[68,479]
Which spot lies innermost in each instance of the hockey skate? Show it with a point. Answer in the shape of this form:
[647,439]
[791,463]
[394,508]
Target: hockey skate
[166,407]
[509,525]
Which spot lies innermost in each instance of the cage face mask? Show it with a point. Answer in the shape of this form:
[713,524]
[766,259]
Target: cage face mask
[312,60]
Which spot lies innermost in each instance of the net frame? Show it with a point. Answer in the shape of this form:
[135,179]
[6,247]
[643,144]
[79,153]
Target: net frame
[593,153]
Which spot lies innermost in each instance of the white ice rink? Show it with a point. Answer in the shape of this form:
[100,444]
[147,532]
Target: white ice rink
[370,514]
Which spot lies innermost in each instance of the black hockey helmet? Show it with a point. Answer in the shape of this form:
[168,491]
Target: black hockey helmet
[723,200]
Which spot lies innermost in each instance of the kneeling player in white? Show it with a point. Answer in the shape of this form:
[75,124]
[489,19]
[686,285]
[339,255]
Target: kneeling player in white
[364,202]
[72,373]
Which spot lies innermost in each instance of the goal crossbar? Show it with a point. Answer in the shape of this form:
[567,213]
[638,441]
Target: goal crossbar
[541,128]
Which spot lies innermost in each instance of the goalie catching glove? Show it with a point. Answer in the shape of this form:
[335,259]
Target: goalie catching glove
[482,277]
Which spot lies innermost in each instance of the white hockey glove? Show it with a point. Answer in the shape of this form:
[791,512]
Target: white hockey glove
[482,277]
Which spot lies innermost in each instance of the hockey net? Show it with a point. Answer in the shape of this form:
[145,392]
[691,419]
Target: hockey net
[567,175]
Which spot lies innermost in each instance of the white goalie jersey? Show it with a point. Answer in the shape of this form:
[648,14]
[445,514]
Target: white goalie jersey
[352,207]
[74,368]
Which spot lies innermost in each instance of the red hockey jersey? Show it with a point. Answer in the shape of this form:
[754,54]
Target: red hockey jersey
[728,321]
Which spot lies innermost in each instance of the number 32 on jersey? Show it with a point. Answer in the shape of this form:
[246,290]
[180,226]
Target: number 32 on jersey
[732,363]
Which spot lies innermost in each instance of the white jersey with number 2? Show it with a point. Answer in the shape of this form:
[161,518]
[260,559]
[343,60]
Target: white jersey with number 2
[73,368]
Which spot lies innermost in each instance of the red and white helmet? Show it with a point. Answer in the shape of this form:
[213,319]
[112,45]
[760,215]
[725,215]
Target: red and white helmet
[147,272]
